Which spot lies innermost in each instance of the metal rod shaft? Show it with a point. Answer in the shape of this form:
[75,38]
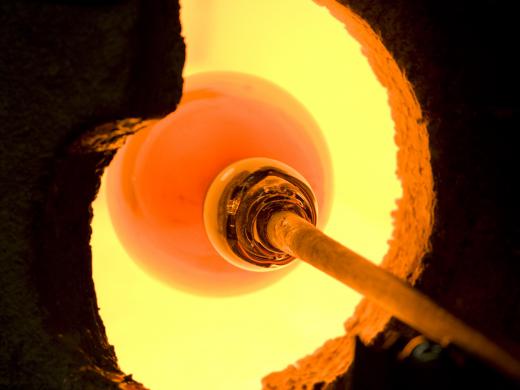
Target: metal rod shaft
[296,236]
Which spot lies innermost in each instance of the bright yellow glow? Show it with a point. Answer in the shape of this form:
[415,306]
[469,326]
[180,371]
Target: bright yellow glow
[172,340]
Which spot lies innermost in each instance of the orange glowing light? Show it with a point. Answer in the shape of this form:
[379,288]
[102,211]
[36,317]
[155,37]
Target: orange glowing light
[170,339]
[158,180]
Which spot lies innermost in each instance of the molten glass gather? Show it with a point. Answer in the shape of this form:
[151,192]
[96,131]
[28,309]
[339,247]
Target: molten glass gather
[158,181]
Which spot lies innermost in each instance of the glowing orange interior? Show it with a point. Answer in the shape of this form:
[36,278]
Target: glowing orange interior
[170,339]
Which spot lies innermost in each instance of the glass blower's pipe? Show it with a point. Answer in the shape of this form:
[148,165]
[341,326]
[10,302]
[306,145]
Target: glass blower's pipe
[260,215]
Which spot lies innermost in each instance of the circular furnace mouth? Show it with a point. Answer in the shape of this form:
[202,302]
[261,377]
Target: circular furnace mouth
[368,142]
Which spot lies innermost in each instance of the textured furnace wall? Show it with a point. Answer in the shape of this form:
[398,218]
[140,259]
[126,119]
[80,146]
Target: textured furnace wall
[65,67]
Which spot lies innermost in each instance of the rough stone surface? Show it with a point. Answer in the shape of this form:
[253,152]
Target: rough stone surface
[65,68]
[459,64]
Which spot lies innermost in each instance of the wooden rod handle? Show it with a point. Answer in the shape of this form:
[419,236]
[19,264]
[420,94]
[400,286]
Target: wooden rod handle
[294,235]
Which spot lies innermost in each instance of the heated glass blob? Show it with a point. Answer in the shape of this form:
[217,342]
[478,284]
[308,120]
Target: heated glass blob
[158,180]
